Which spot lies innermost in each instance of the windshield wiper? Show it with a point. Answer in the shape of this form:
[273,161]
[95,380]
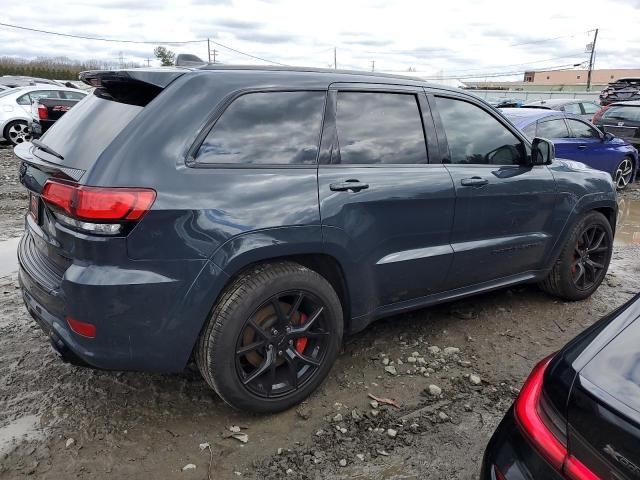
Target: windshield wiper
[46,148]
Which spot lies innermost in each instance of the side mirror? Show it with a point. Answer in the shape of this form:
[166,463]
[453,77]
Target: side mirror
[542,151]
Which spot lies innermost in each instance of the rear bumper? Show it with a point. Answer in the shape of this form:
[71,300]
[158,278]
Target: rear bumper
[511,454]
[148,315]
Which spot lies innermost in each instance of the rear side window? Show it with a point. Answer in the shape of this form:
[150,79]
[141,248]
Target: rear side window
[573,108]
[553,129]
[72,95]
[590,108]
[380,128]
[266,128]
[27,98]
[476,137]
[582,130]
[624,113]
[530,130]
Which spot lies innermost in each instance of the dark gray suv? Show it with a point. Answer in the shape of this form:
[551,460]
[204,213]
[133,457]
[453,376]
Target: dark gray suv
[247,218]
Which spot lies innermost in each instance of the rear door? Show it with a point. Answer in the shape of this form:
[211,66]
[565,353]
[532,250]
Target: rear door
[504,208]
[386,210]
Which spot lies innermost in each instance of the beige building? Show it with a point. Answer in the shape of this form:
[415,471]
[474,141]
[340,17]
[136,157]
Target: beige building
[578,77]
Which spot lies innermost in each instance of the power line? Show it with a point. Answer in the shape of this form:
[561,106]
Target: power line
[146,42]
[550,39]
[100,39]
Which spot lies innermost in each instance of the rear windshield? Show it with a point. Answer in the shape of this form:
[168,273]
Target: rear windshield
[628,113]
[84,132]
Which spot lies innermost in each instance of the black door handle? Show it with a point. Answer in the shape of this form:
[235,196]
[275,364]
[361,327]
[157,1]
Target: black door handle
[474,182]
[581,147]
[349,185]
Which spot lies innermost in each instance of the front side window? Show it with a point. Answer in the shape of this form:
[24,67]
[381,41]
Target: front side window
[266,128]
[475,136]
[376,128]
[553,129]
[582,130]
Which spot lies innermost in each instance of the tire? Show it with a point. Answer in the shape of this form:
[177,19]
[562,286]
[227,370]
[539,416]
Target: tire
[579,254]
[296,368]
[624,173]
[16,132]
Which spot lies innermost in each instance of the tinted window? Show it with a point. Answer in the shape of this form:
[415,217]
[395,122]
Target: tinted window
[582,130]
[553,129]
[475,136]
[623,113]
[380,128]
[573,108]
[266,128]
[590,108]
[83,133]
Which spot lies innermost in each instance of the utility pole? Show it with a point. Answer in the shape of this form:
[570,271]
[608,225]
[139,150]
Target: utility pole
[215,53]
[148,62]
[209,50]
[335,61]
[593,54]
[373,65]
[121,60]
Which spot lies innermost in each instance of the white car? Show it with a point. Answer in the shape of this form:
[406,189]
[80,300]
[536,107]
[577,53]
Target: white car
[15,108]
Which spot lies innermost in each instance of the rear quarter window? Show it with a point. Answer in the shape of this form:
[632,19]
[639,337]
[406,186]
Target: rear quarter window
[266,128]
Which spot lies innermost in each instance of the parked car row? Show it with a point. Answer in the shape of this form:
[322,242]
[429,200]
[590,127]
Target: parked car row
[16,109]
[579,140]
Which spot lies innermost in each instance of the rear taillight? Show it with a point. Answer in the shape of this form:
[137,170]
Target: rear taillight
[97,209]
[84,329]
[43,112]
[598,115]
[529,418]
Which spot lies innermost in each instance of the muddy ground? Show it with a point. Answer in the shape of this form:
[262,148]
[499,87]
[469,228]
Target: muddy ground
[59,421]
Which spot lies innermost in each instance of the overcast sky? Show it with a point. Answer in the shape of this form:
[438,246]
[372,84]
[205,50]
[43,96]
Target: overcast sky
[448,38]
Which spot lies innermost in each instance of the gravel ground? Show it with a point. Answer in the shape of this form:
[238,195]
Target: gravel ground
[59,421]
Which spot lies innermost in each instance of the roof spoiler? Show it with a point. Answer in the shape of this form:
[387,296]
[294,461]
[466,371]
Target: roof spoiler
[189,60]
[135,87]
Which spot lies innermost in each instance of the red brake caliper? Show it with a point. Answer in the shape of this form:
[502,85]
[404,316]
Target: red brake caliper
[301,343]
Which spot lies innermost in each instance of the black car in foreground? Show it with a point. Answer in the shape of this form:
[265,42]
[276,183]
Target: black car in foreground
[621,119]
[578,414]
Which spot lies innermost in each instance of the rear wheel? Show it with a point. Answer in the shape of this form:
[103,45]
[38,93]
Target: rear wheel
[623,173]
[16,132]
[584,259]
[272,338]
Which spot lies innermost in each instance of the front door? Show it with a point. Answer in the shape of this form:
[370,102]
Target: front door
[504,208]
[386,211]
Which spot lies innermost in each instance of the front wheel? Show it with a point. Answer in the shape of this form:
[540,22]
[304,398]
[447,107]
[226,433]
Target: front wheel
[272,337]
[623,173]
[584,260]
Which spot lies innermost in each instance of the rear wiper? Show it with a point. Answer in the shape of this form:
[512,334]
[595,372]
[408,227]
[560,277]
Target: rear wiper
[46,148]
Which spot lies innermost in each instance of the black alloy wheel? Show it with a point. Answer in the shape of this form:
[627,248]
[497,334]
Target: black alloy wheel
[282,344]
[590,257]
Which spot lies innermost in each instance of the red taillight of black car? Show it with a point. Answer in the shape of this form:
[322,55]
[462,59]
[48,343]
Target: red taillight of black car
[528,416]
[101,210]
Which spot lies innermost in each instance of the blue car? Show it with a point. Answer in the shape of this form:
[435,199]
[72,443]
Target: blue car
[577,139]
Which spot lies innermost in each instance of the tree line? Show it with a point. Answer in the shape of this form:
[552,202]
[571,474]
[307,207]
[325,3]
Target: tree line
[58,68]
